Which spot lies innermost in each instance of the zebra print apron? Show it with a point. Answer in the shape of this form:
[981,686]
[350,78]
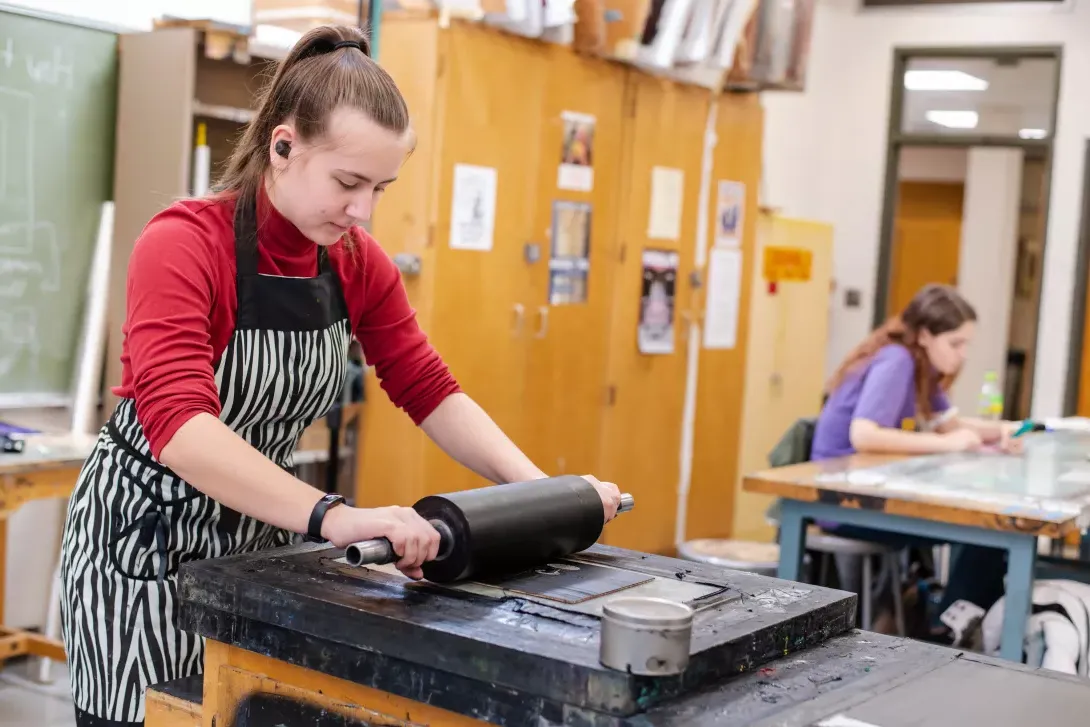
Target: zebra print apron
[131,522]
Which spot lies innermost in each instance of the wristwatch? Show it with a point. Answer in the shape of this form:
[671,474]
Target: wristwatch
[317,515]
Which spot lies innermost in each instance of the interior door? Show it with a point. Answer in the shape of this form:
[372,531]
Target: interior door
[642,426]
[479,322]
[568,305]
[788,332]
[927,239]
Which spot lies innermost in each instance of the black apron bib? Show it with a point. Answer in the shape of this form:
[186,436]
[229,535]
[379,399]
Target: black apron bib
[131,521]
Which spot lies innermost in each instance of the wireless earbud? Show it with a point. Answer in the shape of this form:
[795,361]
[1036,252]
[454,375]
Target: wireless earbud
[282,148]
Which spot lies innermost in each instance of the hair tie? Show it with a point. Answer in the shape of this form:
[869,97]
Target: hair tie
[348,44]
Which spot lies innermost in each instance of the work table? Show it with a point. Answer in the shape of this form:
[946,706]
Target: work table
[298,637]
[493,657]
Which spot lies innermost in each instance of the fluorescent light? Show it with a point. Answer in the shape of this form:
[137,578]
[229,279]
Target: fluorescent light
[954,119]
[1032,133]
[943,81]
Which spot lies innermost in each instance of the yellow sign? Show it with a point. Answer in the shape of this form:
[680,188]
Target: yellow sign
[787,264]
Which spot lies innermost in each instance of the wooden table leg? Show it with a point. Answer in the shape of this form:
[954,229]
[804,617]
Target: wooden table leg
[3,560]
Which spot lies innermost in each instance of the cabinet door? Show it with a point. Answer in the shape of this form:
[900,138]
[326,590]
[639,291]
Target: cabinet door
[391,463]
[575,226]
[491,90]
[642,429]
[720,426]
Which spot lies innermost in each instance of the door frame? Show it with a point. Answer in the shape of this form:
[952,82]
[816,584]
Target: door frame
[1077,339]
[897,140]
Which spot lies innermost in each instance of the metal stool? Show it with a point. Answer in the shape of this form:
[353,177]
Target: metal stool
[743,555]
[834,545]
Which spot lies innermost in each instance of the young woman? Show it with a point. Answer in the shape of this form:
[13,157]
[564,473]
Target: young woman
[889,397]
[240,312]
[899,376]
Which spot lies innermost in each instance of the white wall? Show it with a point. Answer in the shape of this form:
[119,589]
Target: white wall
[825,149]
[989,239]
[933,164]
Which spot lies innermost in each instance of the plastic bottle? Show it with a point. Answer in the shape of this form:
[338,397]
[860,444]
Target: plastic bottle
[991,397]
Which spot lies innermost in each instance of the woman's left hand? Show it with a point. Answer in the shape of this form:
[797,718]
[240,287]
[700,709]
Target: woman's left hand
[610,494]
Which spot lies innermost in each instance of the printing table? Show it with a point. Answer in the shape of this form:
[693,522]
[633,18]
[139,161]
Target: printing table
[296,638]
[300,627]
[47,468]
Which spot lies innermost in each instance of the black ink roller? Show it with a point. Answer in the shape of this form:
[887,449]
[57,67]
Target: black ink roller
[502,528]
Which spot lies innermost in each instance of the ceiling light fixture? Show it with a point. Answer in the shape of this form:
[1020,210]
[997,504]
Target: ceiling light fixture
[954,119]
[943,81]
[1032,133]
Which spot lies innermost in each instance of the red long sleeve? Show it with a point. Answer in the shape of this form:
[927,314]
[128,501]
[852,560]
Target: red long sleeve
[413,375]
[182,302]
[169,344]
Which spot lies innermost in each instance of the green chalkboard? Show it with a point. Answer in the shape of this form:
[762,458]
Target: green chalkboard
[58,99]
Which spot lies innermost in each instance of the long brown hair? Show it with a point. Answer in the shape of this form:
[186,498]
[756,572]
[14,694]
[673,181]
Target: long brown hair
[314,79]
[936,309]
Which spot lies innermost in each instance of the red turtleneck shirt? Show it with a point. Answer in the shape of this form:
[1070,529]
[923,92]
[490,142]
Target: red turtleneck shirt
[181,306]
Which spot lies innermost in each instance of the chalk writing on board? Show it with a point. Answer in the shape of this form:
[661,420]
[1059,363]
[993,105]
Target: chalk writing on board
[18,338]
[54,67]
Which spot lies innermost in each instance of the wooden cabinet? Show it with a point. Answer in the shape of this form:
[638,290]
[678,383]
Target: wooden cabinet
[567,381]
[498,101]
[568,343]
[642,433]
[480,323]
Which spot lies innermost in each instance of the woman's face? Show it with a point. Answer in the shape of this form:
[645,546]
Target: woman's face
[948,351]
[330,184]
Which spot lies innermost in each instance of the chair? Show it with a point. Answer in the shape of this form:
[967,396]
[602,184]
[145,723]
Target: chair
[795,447]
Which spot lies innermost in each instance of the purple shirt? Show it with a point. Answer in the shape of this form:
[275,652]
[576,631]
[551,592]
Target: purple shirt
[883,391]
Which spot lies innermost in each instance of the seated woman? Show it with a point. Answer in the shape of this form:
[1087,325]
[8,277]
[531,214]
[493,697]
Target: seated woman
[889,397]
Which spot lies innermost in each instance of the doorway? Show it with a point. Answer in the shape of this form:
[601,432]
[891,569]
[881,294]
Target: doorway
[966,200]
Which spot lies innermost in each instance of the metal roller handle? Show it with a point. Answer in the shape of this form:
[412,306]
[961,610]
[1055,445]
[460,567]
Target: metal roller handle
[380,551]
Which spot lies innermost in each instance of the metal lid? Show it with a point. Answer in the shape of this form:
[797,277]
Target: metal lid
[647,611]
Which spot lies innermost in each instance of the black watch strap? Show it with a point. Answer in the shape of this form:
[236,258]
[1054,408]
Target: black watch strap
[317,515]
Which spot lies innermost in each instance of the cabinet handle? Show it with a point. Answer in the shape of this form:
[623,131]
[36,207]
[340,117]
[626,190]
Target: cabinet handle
[543,312]
[520,315]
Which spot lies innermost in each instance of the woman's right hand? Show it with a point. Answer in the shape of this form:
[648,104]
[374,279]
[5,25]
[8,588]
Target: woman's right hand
[962,440]
[413,537]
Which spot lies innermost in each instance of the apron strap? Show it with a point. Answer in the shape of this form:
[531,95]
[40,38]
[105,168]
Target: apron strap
[246,235]
[246,239]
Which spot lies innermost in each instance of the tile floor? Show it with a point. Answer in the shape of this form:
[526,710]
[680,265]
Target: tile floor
[24,702]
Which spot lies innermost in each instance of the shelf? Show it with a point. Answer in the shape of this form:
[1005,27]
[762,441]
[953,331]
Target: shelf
[224,113]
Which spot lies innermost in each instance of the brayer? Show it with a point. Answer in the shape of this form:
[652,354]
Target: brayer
[502,528]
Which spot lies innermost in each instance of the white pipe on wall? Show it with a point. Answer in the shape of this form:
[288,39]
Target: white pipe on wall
[692,361]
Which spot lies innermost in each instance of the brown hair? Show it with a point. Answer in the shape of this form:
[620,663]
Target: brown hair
[314,79]
[935,308]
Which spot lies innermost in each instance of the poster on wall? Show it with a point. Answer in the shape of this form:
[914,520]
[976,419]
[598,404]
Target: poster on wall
[473,207]
[657,301]
[569,260]
[576,171]
[667,196]
[729,212]
[723,298]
